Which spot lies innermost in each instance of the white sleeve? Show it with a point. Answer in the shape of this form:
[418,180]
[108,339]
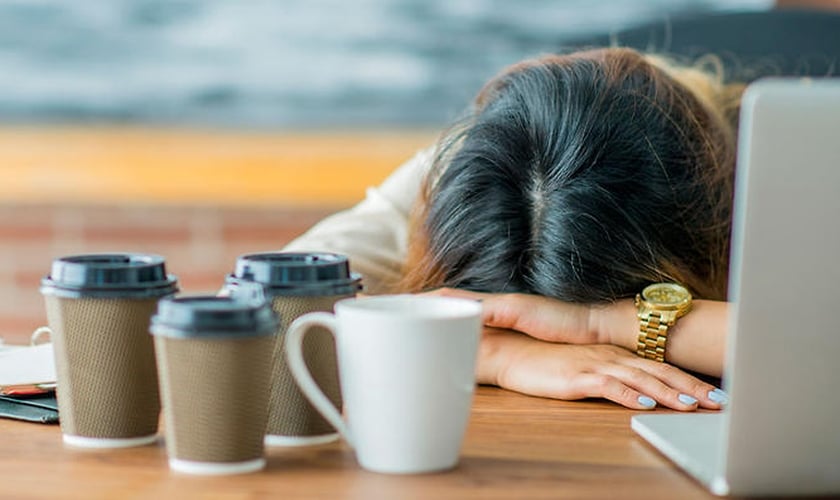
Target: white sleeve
[374,233]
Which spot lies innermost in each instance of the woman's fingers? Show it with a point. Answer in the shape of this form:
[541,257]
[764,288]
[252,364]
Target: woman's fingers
[642,384]
[599,385]
[656,389]
[690,387]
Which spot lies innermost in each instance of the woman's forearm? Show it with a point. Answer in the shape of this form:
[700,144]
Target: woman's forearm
[696,342]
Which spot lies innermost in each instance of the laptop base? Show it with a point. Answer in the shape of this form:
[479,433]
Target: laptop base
[693,441]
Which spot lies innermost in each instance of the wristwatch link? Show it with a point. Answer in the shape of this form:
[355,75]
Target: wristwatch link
[658,308]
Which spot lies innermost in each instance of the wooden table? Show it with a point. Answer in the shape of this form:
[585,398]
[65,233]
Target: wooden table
[516,447]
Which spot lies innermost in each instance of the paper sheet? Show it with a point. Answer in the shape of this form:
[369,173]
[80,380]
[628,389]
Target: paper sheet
[28,365]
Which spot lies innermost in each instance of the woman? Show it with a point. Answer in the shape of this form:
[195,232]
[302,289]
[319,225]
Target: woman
[575,181]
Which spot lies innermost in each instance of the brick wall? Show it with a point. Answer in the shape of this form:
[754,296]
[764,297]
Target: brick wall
[200,198]
[200,244]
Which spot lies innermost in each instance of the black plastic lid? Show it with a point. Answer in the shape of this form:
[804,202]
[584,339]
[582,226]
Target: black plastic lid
[117,275]
[213,316]
[289,273]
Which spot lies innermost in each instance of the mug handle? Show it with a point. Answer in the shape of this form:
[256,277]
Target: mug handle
[294,357]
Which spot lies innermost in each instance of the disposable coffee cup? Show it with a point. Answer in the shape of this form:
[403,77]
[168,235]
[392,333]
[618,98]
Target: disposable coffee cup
[214,357]
[296,284]
[98,310]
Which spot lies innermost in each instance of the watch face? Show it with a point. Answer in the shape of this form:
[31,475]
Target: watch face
[666,294]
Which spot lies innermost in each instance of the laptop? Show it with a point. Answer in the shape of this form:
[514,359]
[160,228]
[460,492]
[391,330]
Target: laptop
[780,433]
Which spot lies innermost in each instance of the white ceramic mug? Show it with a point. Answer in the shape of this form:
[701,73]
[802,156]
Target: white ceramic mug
[407,373]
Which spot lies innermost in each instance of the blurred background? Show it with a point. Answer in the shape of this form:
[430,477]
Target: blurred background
[204,129]
[263,63]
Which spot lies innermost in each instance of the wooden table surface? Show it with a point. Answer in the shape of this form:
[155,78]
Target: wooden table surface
[516,447]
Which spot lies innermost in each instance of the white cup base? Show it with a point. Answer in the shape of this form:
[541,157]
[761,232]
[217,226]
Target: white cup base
[389,468]
[216,468]
[102,443]
[278,440]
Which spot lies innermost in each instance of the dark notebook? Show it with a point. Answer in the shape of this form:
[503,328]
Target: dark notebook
[41,408]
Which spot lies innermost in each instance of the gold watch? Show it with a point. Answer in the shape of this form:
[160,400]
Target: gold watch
[658,308]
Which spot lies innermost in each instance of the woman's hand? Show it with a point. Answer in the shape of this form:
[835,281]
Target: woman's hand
[540,317]
[561,371]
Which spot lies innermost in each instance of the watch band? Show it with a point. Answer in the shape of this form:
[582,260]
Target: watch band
[653,335]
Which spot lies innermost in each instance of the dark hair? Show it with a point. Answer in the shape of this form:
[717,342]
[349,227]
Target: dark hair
[581,177]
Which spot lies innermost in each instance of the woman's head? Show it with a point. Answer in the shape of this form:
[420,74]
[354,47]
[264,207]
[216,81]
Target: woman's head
[582,177]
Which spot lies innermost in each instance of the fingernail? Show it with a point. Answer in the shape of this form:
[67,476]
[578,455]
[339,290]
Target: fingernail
[646,402]
[718,396]
[686,399]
